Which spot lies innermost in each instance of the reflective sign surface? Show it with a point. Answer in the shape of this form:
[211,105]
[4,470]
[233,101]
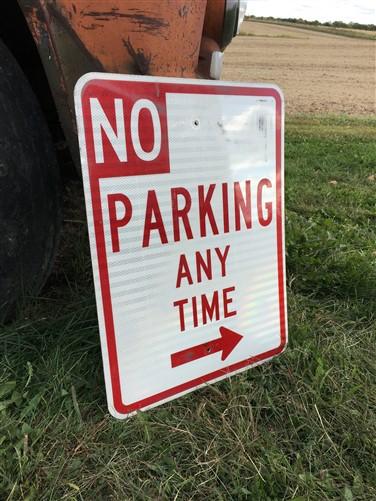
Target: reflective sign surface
[184,194]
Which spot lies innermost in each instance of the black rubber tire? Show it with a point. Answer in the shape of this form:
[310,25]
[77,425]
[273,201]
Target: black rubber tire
[30,189]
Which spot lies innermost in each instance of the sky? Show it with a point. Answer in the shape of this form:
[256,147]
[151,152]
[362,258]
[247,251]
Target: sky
[360,11]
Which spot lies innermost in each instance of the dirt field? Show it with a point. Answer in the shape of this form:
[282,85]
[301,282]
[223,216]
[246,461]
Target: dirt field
[318,72]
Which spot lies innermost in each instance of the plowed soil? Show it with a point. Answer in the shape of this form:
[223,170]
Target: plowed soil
[318,72]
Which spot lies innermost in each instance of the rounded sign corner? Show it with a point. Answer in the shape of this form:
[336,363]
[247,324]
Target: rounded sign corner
[117,414]
[278,93]
[83,81]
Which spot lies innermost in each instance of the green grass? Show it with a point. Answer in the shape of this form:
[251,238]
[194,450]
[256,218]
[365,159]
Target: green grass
[344,32]
[302,427]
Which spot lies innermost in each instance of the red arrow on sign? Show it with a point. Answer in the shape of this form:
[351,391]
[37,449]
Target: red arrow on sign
[226,343]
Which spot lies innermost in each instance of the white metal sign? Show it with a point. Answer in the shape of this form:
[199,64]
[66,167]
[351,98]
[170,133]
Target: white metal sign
[184,195]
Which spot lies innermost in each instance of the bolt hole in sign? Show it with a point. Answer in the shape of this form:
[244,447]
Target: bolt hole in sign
[183,184]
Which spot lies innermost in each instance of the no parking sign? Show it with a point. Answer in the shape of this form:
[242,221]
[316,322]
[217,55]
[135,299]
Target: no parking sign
[183,184]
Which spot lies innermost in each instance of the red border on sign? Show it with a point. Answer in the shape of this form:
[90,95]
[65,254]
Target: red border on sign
[95,174]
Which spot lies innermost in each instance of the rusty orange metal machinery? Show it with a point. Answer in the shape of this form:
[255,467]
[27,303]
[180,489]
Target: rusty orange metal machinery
[149,37]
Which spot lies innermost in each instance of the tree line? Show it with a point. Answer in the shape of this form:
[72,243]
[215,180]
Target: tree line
[333,24]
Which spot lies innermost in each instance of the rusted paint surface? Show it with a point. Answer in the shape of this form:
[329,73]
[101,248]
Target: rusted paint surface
[148,37]
[214,20]
[141,19]
[139,37]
